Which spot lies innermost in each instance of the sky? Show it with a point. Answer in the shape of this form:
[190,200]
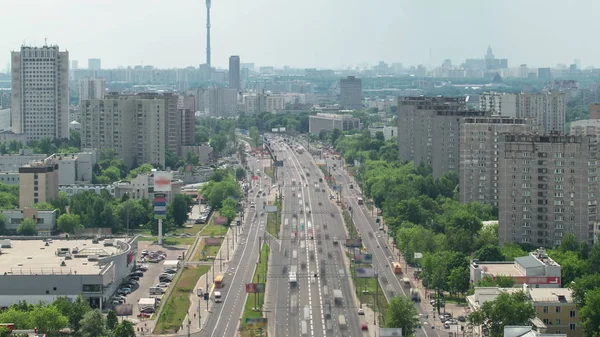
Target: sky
[304,33]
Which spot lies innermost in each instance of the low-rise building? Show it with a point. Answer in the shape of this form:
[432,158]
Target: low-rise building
[73,189]
[9,178]
[44,220]
[585,127]
[556,312]
[38,183]
[328,122]
[389,132]
[536,269]
[36,271]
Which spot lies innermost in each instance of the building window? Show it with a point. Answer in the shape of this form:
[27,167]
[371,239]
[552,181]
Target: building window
[557,321]
[572,326]
[572,313]
[557,309]
[545,309]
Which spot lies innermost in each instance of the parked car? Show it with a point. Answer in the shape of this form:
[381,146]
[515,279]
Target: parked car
[144,315]
[134,277]
[117,302]
[148,310]
[162,285]
[170,271]
[154,260]
[142,268]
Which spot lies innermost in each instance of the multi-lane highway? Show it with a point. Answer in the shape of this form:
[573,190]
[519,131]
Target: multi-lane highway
[310,223]
[376,243]
[224,318]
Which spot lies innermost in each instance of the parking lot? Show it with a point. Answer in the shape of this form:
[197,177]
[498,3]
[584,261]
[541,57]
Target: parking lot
[151,276]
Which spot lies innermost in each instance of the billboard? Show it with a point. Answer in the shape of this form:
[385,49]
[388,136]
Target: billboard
[271,209]
[162,181]
[221,220]
[160,206]
[253,288]
[536,279]
[390,332]
[274,130]
[256,323]
[212,241]
[363,258]
[282,129]
[354,243]
[365,272]
[123,309]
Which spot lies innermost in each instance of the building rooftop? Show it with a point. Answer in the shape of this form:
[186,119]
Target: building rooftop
[551,295]
[500,269]
[33,257]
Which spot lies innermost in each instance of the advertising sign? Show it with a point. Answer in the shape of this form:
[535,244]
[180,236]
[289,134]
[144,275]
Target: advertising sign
[220,220]
[536,279]
[160,206]
[212,241]
[253,288]
[363,258]
[162,181]
[390,332]
[354,243]
[256,323]
[281,129]
[123,309]
[271,209]
[365,272]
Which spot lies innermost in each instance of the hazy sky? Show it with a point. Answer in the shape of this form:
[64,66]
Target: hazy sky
[305,33]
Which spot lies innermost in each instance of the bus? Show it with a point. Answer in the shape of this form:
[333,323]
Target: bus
[219,282]
[360,200]
[397,268]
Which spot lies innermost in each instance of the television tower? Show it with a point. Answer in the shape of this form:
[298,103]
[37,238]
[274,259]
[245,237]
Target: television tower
[208,32]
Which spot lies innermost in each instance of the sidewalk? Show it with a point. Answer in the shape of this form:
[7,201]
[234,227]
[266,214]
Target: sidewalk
[199,308]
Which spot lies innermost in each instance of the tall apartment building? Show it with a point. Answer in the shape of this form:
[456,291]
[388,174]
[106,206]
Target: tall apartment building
[328,122]
[141,128]
[351,93]
[256,103]
[548,186]
[38,182]
[499,103]
[549,108]
[188,127]
[94,64]
[480,154]
[40,92]
[220,102]
[234,73]
[91,88]
[429,130]
[594,111]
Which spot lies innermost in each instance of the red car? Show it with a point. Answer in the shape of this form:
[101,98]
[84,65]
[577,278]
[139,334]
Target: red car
[364,327]
[144,315]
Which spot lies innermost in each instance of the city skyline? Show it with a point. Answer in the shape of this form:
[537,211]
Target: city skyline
[347,33]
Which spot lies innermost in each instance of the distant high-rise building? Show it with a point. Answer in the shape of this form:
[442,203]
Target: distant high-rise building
[548,108]
[351,92]
[594,111]
[94,64]
[480,153]
[91,88]
[234,73]
[74,65]
[220,102]
[140,128]
[429,130]
[545,74]
[548,187]
[40,92]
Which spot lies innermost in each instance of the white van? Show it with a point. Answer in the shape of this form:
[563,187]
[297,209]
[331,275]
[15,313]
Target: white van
[218,298]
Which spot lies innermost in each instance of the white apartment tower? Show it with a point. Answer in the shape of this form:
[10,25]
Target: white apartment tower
[91,88]
[40,92]
[480,154]
[499,103]
[138,127]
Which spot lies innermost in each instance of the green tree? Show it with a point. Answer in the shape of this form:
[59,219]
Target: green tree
[571,265]
[240,174]
[61,202]
[254,135]
[68,223]
[512,251]
[590,313]
[20,318]
[569,243]
[179,208]
[489,253]
[498,281]
[92,324]
[27,228]
[5,332]
[228,209]
[3,229]
[111,320]
[48,319]
[124,329]
[506,309]
[402,314]
[458,280]
[582,286]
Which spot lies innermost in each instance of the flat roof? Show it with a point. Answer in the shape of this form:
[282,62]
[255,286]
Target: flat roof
[501,269]
[551,295]
[33,257]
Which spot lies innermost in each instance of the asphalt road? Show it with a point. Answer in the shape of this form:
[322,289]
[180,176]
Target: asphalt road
[307,245]
[225,317]
[376,243]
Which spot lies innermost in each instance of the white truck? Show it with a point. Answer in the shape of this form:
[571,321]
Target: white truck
[293,276]
[337,297]
[342,320]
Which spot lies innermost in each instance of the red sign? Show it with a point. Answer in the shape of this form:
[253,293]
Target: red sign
[254,177]
[537,280]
